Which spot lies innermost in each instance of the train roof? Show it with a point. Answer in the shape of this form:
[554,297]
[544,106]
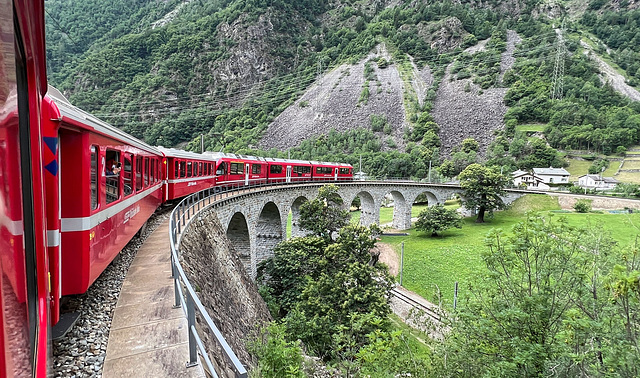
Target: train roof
[174,152]
[74,113]
[220,155]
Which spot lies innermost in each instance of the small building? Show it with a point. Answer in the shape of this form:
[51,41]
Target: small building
[523,178]
[597,182]
[552,175]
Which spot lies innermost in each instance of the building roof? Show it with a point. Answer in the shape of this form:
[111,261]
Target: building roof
[609,180]
[551,171]
[519,173]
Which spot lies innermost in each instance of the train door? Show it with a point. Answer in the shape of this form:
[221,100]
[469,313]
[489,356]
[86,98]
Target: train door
[335,175]
[247,171]
[289,170]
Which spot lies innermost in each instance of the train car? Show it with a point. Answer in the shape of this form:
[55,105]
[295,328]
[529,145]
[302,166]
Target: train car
[323,171]
[186,172]
[24,284]
[287,170]
[109,184]
[239,170]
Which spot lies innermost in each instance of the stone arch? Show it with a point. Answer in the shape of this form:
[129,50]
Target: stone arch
[238,235]
[295,216]
[369,213]
[431,197]
[401,211]
[268,233]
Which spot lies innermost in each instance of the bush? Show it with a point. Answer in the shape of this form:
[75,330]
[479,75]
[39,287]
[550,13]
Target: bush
[582,206]
[276,356]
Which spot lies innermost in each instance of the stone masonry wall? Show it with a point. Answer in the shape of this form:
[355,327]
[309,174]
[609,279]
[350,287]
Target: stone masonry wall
[224,286]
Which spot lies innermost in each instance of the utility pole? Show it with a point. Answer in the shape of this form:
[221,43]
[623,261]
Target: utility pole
[557,87]
[401,262]
[201,143]
[429,170]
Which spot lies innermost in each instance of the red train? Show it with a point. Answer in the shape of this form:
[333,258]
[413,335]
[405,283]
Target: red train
[74,190]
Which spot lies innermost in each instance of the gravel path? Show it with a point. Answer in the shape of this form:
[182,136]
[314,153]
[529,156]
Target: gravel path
[82,351]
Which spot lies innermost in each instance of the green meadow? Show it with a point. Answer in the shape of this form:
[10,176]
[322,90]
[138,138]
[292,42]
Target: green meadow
[432,265]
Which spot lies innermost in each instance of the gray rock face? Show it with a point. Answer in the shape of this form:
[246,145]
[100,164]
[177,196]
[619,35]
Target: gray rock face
[471,114]
[334,102]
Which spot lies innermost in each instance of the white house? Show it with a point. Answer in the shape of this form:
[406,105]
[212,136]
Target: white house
[522,178]
[597,182]
[552,175]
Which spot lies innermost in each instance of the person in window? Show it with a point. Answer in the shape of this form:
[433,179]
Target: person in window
[115,169]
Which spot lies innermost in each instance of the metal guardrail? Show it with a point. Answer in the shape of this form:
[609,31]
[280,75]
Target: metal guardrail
[185,294]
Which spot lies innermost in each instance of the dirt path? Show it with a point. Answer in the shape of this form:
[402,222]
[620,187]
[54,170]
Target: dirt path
[388,257]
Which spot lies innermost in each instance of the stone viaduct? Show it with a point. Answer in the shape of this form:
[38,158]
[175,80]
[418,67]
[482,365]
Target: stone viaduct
[256,221]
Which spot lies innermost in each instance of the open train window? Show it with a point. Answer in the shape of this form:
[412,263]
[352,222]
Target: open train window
[255,169]
[146,172]
[189,169]
[200,169]
[275,169]
[112,174]
[127,170]
[94,177]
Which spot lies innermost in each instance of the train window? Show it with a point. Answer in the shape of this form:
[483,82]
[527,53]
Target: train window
[200,169]
[236,169]
[138,173]
[221,169]
[177,173]
[189,169]
[152,171]
[255,169]
[127,175]
[183,169]
[195,169]
[159,174]
[344,171]
[94,177]
[112,169]
[324,170]
[275,169]
[301,169]
[146,172]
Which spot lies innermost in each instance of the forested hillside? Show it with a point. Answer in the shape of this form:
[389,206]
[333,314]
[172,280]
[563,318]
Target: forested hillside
[231,70]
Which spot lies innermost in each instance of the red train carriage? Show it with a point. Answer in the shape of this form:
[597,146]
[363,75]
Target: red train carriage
[24,322]
[287,170]
[323,171]
[239,170]
[186,173]
[109,185]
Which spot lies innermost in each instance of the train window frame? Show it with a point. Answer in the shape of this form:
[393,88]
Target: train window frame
[256,169]
[189,169]
[344,171]
[113,189]
[145,172]
[127,157]
[93,176]
[236,168]
[139,168]
[195,169]
[222,168]
[275,169]
[183,168]
[176,173]
[200,169]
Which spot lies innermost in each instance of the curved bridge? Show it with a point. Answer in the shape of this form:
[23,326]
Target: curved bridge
[255,221]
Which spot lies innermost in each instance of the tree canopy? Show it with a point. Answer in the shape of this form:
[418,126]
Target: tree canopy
[483,188]
[437,218]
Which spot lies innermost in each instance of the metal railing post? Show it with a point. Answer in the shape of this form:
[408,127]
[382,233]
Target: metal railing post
[176,284]
[191,320]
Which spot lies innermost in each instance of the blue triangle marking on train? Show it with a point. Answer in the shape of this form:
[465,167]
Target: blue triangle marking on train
[51,142]
[52,167]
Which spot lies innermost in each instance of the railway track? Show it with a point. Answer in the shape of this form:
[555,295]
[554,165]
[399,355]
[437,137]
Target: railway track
[429,311]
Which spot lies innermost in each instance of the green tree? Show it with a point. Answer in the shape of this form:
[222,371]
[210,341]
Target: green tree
[468,145]
[483,188]
[324,215]
[582,206]
[437,218]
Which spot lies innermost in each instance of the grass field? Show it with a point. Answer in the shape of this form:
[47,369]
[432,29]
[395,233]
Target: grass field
[578,168]
[612,169]
[535,127]
[433,265]
[632,177]
[631,164]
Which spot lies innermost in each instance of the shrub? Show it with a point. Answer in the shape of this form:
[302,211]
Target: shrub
[582,206]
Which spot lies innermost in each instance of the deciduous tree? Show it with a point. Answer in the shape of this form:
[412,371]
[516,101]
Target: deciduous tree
[437,218]
[483,187]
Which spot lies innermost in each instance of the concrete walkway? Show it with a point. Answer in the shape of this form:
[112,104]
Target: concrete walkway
[148,337]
